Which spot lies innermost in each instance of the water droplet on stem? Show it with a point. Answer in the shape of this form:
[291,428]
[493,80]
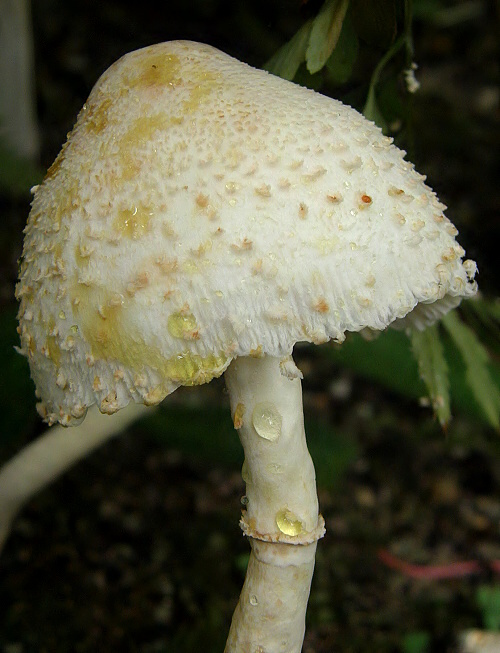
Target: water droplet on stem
[267,421]
[288,523]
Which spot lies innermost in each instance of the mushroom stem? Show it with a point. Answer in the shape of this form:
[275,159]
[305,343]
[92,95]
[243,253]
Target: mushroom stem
[53,453]
[281,506]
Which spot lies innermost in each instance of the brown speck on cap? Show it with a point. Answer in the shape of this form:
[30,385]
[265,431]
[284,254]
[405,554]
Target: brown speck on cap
[321,306]
[202,200]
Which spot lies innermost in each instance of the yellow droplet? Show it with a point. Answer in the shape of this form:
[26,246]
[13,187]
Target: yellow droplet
[182,325]
[289,523]
[267,420]
[192,369]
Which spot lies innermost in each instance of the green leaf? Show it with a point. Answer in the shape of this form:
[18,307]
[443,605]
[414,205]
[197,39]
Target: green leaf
[389,361]
[341,61]
[286,61]
[325,33]
[477,374]
[371,111]
[428,351]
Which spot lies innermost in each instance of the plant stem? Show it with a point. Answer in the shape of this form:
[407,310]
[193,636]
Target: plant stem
[281,517]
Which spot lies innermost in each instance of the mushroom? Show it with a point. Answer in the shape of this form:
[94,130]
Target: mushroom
[202,218]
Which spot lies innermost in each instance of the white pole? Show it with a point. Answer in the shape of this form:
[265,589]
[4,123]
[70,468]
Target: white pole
[53,453]
[18,127]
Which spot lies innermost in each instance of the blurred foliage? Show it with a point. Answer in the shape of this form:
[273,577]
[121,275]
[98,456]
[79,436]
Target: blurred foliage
[17,175]
[488,600]
[476,360]
[417,642]
[208,434]
[388,360]
[17,401]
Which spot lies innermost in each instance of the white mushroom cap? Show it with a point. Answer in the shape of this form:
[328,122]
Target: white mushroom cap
[203,210]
